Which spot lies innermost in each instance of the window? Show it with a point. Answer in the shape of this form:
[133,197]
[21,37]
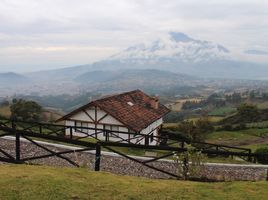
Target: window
[81,127]
[130,103]
[78,124]
[106,127]
[152,137]
[115,128]
[84,129]
[112,129]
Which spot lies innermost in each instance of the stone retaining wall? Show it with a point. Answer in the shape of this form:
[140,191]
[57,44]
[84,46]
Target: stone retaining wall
[120,165]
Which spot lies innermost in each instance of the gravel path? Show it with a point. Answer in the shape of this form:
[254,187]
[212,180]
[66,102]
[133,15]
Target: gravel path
[119,165]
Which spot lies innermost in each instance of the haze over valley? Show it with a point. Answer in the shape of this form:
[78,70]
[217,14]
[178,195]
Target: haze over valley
[172,50]
[171,62]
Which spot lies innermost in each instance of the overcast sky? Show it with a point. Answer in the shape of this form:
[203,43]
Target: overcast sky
[46,34]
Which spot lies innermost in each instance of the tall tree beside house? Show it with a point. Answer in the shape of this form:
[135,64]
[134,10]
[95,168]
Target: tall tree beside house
[25,110]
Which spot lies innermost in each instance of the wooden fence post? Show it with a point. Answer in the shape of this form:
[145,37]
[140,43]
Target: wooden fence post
[249,157]
[40,128]
[106,133]
[146,142]
[71,132]
[17,141]
[97,157]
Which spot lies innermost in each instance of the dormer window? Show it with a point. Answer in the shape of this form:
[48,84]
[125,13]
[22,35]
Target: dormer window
[130,103]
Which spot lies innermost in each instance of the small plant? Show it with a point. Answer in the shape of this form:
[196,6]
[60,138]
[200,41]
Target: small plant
[189,163]
[81,163]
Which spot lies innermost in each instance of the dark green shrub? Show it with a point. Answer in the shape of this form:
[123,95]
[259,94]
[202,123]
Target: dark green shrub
[227,127]
[263,157]
[25,110]
[173,117]
[241,126]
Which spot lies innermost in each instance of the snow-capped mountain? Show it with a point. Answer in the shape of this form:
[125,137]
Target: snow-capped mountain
[175,52]
[176,46]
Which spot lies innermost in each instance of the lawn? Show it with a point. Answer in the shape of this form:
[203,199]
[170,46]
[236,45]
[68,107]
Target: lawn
[40,182]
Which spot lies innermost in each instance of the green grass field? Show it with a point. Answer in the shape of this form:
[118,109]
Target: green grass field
[39,182]
[262,124]
[223,111]
[253,137]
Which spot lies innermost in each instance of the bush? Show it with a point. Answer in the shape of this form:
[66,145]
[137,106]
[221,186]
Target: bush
[2,117]
[190,164]
[173,117]
[241,126]
[25,110]
[227,127]
[197,130]
[263,159]
[172,133]
[247,112]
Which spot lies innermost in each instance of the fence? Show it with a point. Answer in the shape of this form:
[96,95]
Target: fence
[55,133]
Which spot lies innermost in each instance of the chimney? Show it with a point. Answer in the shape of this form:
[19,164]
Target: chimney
[154,102]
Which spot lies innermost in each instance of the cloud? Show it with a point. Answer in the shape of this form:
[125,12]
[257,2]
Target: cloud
[116,24]
[256,52]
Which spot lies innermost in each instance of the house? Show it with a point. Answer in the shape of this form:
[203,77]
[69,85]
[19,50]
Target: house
[119,117]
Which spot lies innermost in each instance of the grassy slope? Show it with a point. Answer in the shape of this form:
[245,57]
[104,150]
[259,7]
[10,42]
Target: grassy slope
[250,138]
[49,115]
[222,111]
[5,111]
[39,182]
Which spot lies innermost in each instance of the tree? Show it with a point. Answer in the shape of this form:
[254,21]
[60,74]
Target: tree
[247,112]
[203,127]
[25,110]
[197,130]
[173,117]
[188,128]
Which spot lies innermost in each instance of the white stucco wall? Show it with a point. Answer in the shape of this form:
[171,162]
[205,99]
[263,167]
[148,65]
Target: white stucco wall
[108,120]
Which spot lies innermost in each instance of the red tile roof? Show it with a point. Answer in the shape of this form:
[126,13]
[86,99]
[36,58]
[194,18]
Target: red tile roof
[136,117]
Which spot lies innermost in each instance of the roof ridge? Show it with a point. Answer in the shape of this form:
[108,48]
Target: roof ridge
[113,95]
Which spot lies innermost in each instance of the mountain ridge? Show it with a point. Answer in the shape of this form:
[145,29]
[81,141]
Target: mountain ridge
[176,52]
[11,78]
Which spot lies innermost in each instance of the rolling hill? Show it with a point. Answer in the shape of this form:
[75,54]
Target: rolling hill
[10,78]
